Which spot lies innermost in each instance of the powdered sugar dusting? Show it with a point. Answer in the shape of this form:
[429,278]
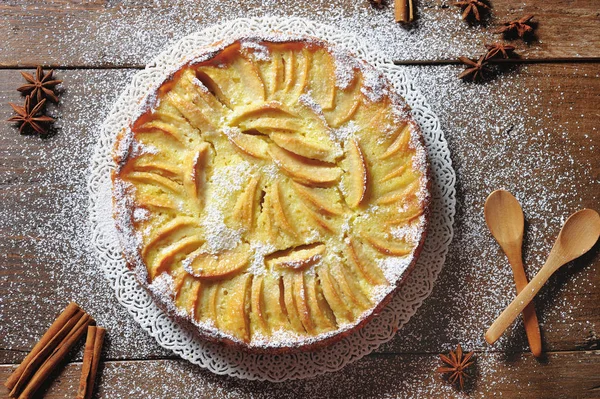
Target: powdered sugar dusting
[374,87]
[140,215]
[310,102]
[223,182]
[163,286]
[257,264]
[345,66]
[394,267]
[229,178]
[132,33]
[410,233]
[220,236]
[344,132]
[258,51]
[507,110]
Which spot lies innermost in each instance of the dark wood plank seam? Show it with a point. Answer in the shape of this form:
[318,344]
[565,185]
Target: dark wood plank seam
[511,61]
[371,355]
[574,60]
[76,67]
[480,352]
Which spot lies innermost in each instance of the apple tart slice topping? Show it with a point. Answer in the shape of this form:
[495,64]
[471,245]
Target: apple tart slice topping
[280,202]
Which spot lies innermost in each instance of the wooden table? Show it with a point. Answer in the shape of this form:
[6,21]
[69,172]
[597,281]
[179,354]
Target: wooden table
[532,129]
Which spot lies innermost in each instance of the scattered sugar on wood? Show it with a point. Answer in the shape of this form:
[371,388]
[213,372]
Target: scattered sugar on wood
[501,108]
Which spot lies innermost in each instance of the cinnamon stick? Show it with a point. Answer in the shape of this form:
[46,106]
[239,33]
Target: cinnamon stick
[88,358]
[70,311]
[403,11]
[43,354]
[91,359]
[59,353]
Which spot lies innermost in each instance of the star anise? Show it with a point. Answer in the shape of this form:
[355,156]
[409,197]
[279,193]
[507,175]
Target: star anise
[376,3]
[496,49]
[471,8]
[457,363]
[520,27]
[40,86]
[28,116]
[475,70]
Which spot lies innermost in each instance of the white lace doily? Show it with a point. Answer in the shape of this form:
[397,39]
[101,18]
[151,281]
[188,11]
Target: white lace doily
[226,360]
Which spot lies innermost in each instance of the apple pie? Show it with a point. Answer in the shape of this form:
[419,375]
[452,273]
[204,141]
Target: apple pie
[272,192]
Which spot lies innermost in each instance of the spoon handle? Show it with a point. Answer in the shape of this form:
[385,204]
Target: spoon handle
[519,303]
[530,320]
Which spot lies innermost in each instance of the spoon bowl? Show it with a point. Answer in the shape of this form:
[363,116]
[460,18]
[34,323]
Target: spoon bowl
[579,234]
[504,217]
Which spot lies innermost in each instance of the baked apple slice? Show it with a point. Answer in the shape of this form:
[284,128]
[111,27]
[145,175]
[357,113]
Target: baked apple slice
[225,264]
[303,146]
[267,125]
[355,177]
[321,222]
[169,232]
[401,195]
[290,302]
[233,306]
[207,306]
[336,302]
[244,210]
[166,130]
[322,79]
[304,170]
[278,211]
[200,95]
[324,201]
[322,316]
[247,143]
[194,177]
[271,109]
[387,246]
[301,76]
[400,143]
[250,80]
[349,288]
[397,171]
[367,269]
[158,167]
[191,112]
[273,301]
[297,258]
[177,250]
[154,179]
[301,303]
[257,315]
[187,290]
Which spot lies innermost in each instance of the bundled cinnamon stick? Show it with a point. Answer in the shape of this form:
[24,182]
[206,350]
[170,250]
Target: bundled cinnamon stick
[91,358]
[403,11]
[47,354]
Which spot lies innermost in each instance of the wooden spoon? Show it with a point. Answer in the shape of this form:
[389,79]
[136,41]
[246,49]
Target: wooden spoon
[578,235]
[505,220]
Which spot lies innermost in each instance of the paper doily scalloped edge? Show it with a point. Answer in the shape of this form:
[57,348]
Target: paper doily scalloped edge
[227,360]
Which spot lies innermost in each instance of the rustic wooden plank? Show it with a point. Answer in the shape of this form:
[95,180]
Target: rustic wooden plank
[561,375]
[544,151]
[120,33]
[536,146]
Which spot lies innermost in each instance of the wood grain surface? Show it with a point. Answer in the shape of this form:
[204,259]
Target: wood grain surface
[566,29]
[541,143]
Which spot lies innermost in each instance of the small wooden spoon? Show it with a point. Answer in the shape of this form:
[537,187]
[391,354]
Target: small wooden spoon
[577,236]
[504,218]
